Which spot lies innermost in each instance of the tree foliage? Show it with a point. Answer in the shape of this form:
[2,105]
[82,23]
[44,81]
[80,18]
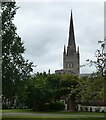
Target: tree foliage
[15,69]
[48,89]
[91,90]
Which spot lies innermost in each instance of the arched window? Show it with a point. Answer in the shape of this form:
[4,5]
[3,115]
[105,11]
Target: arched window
[69,65]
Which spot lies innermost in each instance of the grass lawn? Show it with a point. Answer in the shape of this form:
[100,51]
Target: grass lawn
[53,118]
[54,112]
[28,114]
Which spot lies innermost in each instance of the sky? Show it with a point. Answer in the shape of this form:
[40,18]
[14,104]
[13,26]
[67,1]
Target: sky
[44,29]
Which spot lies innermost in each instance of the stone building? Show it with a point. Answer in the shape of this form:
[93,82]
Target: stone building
[71,56]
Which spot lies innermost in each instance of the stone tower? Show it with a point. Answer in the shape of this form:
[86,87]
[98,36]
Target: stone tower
[71,56]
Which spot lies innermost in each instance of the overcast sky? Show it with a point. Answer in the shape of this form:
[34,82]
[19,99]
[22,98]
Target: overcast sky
[44,29]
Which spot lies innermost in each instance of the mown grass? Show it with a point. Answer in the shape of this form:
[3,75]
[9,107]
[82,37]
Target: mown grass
[53,118]
[50,112]
[16,110]
[87,115]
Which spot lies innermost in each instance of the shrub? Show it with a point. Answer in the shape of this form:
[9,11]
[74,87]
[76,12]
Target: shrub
[44,107]
[102,111]
[76,108]
[5,106]
[90,109]
[97,109]
[57,105]
[81,109]
[86,109]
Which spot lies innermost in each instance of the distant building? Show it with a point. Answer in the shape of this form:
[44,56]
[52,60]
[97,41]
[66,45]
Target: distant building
[86,75]
[71,56]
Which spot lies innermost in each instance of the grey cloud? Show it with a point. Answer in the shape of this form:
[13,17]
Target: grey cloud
[44,29]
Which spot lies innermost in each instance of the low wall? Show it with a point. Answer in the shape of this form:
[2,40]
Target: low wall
[92,108]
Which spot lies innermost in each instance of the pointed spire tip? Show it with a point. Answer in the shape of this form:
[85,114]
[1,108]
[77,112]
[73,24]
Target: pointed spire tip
[64,49]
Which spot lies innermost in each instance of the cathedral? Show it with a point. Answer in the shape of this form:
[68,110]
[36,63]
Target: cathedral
[71,56]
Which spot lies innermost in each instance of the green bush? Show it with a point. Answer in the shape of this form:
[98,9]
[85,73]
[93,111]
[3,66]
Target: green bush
[5,106]
[90,109]
[86,108]
[97,109]
[57,105]
[81,109]
[44,107]
[102,111]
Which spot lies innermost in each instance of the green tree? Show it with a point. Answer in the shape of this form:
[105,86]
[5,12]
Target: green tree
[46,90]
[15,69]
[69,89]
[37,92]
[91,90]
[54,86]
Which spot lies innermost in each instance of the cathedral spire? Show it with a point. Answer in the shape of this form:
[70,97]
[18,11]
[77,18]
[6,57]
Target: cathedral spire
[71,56]
[64,49]
[78,50]
[71,40]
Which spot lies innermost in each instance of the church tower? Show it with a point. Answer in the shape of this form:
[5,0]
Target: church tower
[71,56]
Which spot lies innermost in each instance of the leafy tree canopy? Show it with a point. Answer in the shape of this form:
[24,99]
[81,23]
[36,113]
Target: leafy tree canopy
[15,69]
